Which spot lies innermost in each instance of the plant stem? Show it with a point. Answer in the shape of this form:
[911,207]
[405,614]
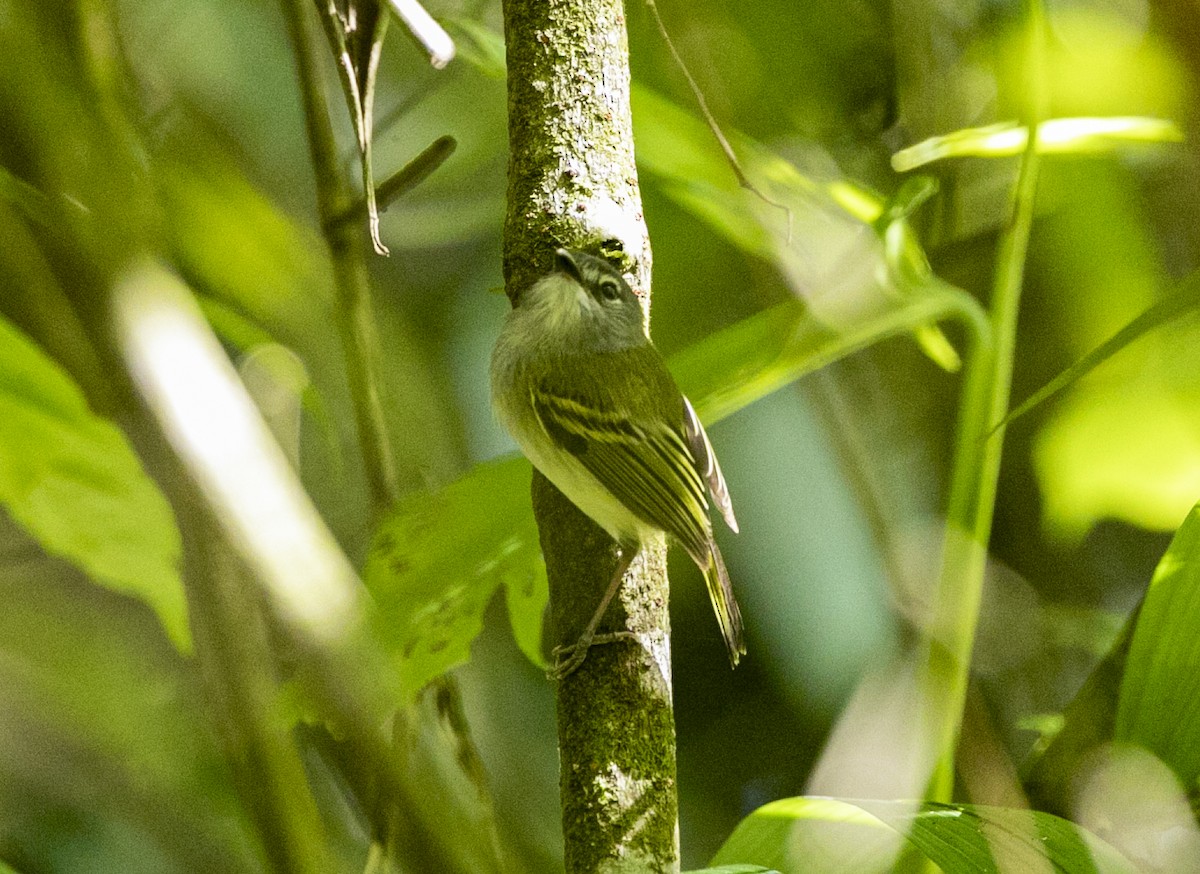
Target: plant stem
[976,469]
[355,319]
[356,325]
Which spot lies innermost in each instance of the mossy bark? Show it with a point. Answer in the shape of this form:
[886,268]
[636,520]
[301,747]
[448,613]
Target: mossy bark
[572,182]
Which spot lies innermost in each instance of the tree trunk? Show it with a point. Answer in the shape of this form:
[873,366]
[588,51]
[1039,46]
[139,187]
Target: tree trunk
[572,181]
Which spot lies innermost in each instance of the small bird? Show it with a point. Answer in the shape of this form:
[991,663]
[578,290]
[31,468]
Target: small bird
[588,398]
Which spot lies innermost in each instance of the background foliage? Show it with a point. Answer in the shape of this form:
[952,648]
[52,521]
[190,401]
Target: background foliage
[183,138]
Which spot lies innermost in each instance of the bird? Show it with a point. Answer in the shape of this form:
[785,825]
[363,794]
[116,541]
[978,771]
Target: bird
[578,384]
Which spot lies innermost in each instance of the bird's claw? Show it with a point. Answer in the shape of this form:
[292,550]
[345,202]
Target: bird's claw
[576,652]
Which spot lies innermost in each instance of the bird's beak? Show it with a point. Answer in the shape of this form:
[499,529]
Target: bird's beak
[565,261]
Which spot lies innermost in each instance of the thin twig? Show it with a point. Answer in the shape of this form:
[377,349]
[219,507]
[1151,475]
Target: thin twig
[354,316]
[356,320]
[403,180]
[711,121]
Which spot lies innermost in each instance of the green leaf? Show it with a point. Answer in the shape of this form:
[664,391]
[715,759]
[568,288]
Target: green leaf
[1182,300]
[234,245]
[1159,703]
[437,559]
[479,46]
[826,835]
[31,203]
[885,261]
[732,368]
[108,761]
[71,480]
[1057,136]
[735,869]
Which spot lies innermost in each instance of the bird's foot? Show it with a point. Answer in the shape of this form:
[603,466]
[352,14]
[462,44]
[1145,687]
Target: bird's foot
[567,659]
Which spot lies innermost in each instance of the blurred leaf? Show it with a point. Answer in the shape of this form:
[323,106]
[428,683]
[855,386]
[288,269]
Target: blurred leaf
[31,202]
[107,759]
[1057,136]
[231,326]
[735,869]
[829,835]
[479,46]
[731,369]
[1053,767]
[836,214]
[1122,449]
[1183,299]
[1159,703]
[73,482]
[235,245]
[678,148]
[437,559]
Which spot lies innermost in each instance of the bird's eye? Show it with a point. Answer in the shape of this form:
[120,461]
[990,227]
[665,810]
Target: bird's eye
[609,289]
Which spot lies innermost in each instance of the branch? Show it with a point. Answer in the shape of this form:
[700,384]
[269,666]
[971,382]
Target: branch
[356,323]
[572,181]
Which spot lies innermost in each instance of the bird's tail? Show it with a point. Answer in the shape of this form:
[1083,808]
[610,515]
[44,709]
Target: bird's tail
[721,592]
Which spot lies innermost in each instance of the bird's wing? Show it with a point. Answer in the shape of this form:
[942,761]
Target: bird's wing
[706,463]
[648,466]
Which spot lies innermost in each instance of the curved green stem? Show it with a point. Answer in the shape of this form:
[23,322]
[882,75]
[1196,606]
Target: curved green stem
[976,467]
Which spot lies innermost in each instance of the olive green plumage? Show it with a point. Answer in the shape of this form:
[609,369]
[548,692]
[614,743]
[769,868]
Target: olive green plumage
[589,399]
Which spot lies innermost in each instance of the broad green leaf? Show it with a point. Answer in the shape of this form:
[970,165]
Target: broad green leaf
[1184,299]
[827,835]
[1056,136]
[71,480]
[437,559]
[1159,703]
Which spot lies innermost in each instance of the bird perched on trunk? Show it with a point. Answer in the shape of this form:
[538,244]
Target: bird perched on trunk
[590,401]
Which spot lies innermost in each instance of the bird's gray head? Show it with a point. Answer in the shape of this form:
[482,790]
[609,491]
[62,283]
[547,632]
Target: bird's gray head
[585,302]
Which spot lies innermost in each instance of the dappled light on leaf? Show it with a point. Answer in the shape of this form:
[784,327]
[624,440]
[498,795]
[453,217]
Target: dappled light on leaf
[1055,136]
[439,557]
[1119,449]
[798,835]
